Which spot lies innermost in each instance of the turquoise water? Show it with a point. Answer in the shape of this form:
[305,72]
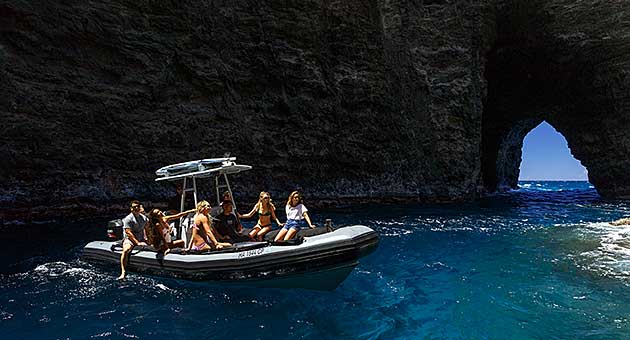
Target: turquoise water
[537,263]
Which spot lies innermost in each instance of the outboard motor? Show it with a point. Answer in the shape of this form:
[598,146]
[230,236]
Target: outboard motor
[329,225]
[115,229]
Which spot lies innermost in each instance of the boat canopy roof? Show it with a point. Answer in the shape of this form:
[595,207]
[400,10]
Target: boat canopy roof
[202,168]
[189,172]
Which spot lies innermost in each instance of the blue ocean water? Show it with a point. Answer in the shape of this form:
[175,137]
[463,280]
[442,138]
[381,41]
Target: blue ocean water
[540,262]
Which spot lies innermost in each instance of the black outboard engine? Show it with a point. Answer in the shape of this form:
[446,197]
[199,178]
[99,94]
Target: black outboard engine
[328,224]
[115,230]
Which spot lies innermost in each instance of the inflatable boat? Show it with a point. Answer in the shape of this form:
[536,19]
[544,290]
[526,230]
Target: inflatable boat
[321,261]
[319,258]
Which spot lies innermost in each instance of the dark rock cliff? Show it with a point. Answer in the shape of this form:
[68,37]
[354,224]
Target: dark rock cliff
[423,100]
[566,62]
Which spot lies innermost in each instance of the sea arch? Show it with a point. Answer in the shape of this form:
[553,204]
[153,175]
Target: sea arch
[546,156]
[545,66]
[508,164]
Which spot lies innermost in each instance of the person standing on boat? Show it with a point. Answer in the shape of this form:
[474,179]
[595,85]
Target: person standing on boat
[203,237]
[297,218]
[227,196]
[174,207]
[266,212]
[133,233]
[174,203]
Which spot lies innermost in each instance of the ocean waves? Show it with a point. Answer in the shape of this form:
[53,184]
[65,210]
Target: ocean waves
[600,249]
[528,264]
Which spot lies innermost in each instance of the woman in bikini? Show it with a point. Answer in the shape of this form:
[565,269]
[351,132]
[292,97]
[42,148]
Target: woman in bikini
[266,212]
[203,237]
[159,231]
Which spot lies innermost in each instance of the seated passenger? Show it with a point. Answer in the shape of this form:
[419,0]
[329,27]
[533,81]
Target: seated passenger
[203,237]
[160,231]
[297,217]
[227,196]
[266,212]
[133,228]
[228,227]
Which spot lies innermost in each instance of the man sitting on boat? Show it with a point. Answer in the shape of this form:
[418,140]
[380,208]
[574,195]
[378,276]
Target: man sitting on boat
[133,235]
[203,237]
[228,226]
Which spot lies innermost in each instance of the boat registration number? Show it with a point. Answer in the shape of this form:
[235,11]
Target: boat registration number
[249,253]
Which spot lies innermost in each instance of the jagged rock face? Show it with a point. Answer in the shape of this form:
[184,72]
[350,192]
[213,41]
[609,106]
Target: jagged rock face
[566,62]
[347,99]
[426,100]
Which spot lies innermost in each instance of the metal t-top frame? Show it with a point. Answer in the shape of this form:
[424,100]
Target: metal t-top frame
[198,170]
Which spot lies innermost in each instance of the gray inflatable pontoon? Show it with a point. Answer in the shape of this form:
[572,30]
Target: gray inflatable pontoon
[315,262]
[319,259]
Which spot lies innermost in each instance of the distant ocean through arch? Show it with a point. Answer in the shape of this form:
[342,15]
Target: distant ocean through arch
[539,262]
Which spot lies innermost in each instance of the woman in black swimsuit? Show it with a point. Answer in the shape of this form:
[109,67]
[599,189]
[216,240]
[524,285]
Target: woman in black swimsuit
[266,211]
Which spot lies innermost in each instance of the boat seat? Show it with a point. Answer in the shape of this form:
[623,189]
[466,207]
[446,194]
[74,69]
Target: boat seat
[296,241]
[236,247]
[118,246]
[270,236]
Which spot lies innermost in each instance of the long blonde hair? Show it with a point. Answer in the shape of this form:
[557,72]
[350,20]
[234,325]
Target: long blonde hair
[261,201]
[293,194]
[202,205]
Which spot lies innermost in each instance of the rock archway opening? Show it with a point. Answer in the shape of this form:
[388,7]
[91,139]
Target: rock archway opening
[531,149]
[545,65]
[547,156]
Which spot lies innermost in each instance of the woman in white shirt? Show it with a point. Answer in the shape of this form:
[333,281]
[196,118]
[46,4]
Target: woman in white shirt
[297,217]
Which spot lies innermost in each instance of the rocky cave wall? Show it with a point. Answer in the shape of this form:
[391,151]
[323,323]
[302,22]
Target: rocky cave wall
[343,99]
[566,62]
[346,100]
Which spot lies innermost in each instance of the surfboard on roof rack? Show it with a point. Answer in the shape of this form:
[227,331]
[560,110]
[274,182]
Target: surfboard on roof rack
[191,166]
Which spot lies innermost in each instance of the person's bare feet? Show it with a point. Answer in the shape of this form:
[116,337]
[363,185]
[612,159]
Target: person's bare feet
[122,276]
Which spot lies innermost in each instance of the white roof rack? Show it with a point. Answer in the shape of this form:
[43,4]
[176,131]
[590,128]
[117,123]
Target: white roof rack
[223,170]
[200,169]
[188,172]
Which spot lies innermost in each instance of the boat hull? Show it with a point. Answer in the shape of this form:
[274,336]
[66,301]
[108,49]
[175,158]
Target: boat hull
[320,262]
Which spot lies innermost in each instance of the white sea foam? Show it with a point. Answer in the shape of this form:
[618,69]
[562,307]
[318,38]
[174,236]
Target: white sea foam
[53,269]
[162,287]
[101,335]
[611,254]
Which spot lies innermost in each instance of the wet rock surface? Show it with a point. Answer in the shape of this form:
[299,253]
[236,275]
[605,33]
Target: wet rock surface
[347,101]
[566,62]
